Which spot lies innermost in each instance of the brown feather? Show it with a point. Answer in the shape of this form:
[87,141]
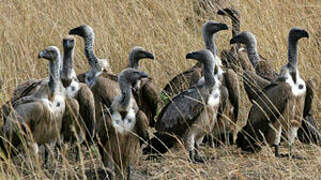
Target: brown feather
[148,100]
[183,81]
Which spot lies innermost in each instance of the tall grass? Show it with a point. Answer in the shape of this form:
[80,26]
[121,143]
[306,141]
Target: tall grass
[169,29]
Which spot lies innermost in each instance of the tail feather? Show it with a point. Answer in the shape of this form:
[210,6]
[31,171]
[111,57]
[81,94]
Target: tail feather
[160,144]
[219,139]
[308,133]
[249,138]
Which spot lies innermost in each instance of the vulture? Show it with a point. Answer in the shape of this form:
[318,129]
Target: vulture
[255,83]
[99,67]
[75,90]
[103,84]
[38,115]
[229,90]
[236,57]
[250,42]
[147,97]
[101,81]
[262,67]
[192,113]
[80,105]
[278,107]
[122,132]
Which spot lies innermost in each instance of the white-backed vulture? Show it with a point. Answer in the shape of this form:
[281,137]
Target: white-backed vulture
[123,130]
[254,84]
[230,91]
[236,57]
[279,107]
[192,113]
[38,115]
[80,109]
[146,96]
[262,67]
[103,85]
[80,92]
[99,67]
[250,42]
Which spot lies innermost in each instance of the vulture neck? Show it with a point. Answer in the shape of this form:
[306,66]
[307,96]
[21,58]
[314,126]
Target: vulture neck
[89,52]
[209,74]
[133,61]
[54,74]
[252,53]
[209,39]
[293,52]
[67,63]
[126,93]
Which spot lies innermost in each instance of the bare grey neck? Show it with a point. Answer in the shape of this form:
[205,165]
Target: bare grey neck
[209,74]
[54,74]
[209,39]
[252,53]
[126,92]
[293,52]
[89,51]
[67,62]
[133,61]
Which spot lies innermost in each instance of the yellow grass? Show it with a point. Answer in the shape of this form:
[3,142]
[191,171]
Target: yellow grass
[169,29]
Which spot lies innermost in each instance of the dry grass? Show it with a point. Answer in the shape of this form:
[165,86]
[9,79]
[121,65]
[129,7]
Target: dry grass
[169,29]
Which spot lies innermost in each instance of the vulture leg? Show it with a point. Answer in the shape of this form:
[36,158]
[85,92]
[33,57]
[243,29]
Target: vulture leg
[292,155]
[128,171]
[198,158]
[46,156]
[159,144]
[193,150]
[77,153]
[276,151]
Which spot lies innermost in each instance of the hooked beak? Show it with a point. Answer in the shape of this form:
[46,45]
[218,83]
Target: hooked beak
[149,55]
[190,55]
[220,12]
[306,34]
[143,75]
[75,31]
[41,54]
[233,40]
[224,26]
